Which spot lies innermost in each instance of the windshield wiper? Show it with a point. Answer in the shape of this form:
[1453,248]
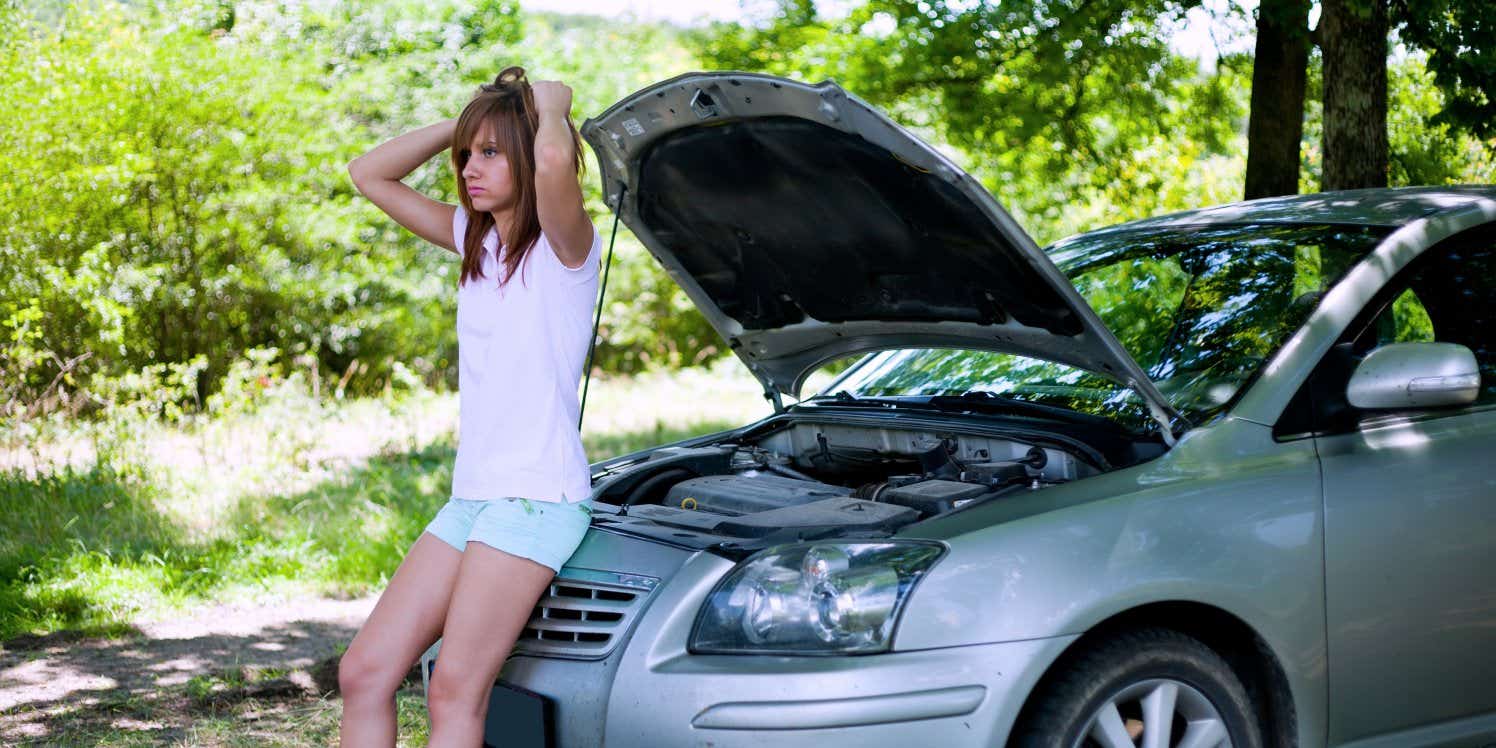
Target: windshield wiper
[988,402]
[842,397]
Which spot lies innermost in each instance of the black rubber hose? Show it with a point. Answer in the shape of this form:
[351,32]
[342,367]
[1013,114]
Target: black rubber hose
[652,482]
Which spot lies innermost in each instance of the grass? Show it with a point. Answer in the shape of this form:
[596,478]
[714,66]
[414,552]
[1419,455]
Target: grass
[112,524]
[232,722]
[296,495]
[253,722]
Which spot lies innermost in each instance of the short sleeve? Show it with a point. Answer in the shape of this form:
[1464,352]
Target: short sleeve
[584,272]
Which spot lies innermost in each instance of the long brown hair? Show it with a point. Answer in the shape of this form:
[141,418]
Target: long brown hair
[508,106]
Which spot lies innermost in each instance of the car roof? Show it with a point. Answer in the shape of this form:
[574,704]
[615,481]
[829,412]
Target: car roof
[1369,207]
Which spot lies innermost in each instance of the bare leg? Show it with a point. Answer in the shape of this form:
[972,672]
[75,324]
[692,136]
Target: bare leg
[491,602]
[405,621]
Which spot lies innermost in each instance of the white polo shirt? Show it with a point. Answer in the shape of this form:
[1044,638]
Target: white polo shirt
[520,353]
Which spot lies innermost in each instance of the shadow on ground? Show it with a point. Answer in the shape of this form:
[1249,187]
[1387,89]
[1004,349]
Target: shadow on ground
[246,675]
[61,689]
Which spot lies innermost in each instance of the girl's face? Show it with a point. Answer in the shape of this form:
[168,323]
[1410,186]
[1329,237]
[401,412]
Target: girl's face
[490,184]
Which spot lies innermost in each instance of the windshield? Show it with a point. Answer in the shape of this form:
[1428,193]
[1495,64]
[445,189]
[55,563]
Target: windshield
[1201,309]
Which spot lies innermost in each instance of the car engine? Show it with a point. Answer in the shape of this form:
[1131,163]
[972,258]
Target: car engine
[813,478]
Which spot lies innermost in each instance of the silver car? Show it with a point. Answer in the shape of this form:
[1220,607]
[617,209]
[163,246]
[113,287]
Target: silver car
[1223,477]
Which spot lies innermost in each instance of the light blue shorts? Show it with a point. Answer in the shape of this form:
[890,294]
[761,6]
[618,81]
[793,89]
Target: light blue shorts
[547,532]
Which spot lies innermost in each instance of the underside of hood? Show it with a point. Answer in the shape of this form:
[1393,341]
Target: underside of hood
[807,226]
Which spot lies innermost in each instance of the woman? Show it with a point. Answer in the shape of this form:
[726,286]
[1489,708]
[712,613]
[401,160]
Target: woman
[521,491]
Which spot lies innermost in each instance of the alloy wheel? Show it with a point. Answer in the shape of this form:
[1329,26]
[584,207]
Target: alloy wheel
[1155,713]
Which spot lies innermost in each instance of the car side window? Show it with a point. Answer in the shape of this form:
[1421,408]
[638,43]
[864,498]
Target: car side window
[1446,295]
[1405,321]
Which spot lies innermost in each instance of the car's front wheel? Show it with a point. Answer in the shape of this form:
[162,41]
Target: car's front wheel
[1154,688]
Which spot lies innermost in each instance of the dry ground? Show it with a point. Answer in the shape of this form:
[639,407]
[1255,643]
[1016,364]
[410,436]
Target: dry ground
[228,675]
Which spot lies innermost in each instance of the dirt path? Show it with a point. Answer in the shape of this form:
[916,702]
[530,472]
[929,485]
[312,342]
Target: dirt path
[68,690]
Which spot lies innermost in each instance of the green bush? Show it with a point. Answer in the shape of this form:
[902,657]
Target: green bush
[175,194]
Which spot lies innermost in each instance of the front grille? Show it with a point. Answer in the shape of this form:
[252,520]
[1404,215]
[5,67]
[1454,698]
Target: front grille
[584,613]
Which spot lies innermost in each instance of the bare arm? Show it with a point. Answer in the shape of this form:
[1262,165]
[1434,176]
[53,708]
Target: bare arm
[558,194]
[377,175]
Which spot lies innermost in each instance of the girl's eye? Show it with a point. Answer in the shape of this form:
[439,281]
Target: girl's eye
[490,152]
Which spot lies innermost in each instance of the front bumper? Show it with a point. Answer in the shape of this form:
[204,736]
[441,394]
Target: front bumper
[961,696]
[649,692]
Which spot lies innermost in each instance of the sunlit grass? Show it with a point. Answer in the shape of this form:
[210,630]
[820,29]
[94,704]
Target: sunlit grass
[124,719]
[296,496]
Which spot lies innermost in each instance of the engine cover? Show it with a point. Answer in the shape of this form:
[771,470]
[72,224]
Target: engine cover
[748,494]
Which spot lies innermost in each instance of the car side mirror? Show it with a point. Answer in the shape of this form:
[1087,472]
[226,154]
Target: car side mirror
[1415,375]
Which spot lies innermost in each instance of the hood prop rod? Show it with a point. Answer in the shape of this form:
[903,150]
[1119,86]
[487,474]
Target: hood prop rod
[771,393]
[602,293]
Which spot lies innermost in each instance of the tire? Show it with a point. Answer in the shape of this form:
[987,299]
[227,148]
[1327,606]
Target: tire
[1097,695]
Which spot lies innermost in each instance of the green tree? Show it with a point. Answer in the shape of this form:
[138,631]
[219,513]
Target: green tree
[174,187]
[1065,103]
[168,198]
[1073,112]
[1460,39]
[1353,36]
[1279,76]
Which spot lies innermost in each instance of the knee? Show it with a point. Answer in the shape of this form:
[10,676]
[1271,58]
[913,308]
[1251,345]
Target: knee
[362,676]
[451,695]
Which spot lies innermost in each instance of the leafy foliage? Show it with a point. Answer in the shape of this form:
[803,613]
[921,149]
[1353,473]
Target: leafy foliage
[1075,114]
[166,202]
[174,189]
[1460,38]
[173,193]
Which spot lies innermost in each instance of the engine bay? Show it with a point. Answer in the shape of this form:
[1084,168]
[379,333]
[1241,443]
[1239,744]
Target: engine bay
[801,479]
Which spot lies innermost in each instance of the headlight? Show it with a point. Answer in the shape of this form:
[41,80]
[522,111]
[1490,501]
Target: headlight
[813,598]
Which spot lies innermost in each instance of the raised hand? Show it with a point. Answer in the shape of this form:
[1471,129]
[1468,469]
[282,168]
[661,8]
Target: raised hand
[551,98]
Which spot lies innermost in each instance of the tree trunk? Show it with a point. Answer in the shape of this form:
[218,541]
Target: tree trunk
[1353,36]
[1275,127]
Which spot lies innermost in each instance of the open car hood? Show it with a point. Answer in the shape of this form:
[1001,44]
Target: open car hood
[808,226]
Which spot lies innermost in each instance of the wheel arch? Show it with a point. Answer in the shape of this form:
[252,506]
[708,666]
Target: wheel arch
[1250,658]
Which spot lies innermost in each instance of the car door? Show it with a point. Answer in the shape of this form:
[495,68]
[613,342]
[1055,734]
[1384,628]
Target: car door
[1410,517]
